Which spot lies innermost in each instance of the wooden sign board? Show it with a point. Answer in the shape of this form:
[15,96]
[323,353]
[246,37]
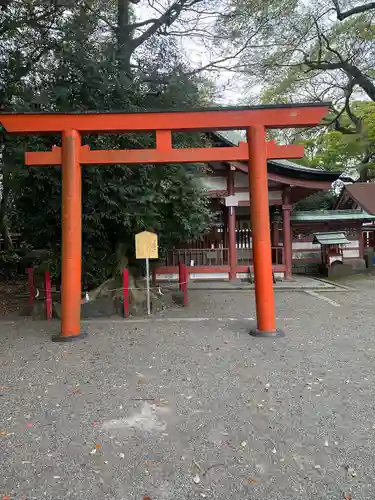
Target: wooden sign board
[146,245]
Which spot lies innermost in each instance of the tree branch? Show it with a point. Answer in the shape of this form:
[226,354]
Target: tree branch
[360,9]
[166,19]
[356,76]
[102,18]
[354,118]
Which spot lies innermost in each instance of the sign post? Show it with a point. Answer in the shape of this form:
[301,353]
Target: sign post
[146,247]
[148,286]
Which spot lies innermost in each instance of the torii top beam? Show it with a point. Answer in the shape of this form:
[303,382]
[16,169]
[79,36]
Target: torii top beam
[268,116]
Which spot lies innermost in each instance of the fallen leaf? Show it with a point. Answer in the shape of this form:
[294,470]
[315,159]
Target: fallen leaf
[97,446]
[3,433]
[347,496]
[146,498]
[196,464]
[76,390]
[252,481]
[350,470]
[141,379]
[3,388]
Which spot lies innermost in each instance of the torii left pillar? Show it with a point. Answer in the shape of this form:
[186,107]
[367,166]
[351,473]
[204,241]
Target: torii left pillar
[71,238]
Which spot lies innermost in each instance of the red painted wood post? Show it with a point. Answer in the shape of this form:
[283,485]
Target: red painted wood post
[30,274]
[125,275]
[287,233]
[232,229]
[180,275]
[184,284]
[48,295]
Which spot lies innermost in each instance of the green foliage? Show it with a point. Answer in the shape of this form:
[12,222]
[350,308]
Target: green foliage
[9,263]
[344,146]
[81,73]
[298,51]
[321,200]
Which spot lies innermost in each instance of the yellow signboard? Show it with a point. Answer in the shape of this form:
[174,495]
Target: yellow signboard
[146,245]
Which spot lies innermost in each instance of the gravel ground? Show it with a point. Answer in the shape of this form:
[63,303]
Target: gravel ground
[180,410]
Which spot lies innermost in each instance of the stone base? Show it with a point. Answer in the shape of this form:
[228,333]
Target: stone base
[236,282]
[305,267]
[99,308]
[339,271]
[61,338]
[358,264]
[259,333]
[178,298]
[369,257]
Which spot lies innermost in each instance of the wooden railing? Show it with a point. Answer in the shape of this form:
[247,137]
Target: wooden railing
[245,256]
[197,257]
[216,256]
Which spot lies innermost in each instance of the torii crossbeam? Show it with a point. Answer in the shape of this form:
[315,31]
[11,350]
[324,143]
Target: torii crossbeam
[72,154]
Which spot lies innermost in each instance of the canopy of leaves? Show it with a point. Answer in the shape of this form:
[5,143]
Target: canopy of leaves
[69,58]
[342,147]
[289,42]
[322,200]
[313,51]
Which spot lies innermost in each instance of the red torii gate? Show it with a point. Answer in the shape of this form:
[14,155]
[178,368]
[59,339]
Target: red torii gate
[255,120]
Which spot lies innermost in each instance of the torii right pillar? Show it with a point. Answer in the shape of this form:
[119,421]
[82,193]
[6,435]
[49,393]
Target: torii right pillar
[261,237]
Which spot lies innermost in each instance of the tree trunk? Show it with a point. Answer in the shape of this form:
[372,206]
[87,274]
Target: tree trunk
[4,229]
[360,79]
[363,174]
[124,35]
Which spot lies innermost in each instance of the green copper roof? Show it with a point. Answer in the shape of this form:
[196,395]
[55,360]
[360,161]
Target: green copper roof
[328,215]
[331,238]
